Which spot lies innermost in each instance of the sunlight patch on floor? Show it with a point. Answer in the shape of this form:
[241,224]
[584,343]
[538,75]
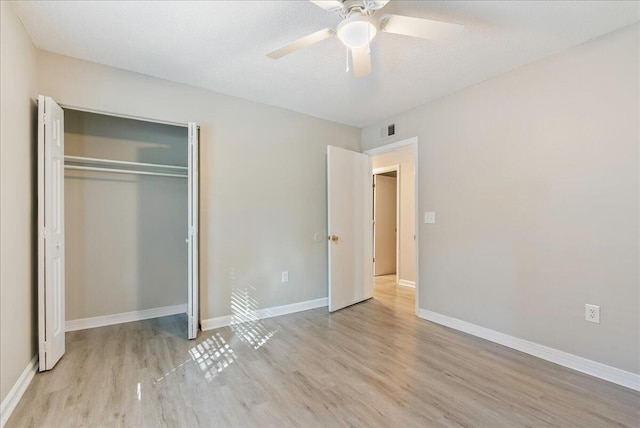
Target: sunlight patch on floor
[245,321]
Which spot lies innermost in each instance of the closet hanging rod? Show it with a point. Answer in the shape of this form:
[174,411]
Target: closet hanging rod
[124,171]
[123,163]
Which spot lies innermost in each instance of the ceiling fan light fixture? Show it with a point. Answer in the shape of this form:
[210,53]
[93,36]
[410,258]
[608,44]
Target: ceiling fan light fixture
[356,32]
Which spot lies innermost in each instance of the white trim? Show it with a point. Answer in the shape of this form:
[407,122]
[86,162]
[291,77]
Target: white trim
[593,368]
[386,169]
[85,323]
[13,397]
[123,116]
[276,311]
[389,148]
[398,225]
[407,283]
[193,212]
[217,322]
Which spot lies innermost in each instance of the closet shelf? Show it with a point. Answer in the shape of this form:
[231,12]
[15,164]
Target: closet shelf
[95,164]
[81,159]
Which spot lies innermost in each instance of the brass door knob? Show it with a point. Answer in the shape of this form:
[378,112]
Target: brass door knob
[334,238]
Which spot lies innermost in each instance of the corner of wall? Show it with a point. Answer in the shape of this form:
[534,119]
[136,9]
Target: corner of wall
[18,205]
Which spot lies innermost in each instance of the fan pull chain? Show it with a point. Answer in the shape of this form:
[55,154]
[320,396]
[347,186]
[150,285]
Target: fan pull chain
[347,70]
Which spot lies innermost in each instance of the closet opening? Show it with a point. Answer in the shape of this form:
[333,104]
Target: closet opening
[125,196]
[128,194]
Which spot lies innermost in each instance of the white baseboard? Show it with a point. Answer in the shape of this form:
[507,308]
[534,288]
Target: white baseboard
[85,323]
[217,322]
[593,368]
[407,283]
[13,397]
[223,321]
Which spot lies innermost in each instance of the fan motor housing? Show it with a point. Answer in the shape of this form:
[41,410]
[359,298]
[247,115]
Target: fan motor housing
[356,31]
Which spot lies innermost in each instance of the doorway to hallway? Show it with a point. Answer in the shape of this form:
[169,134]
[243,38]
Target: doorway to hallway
[394,226]
[399,298]
[386,205]
[350,222]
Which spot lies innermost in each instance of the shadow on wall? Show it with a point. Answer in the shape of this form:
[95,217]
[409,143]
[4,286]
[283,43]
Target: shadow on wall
[162,226]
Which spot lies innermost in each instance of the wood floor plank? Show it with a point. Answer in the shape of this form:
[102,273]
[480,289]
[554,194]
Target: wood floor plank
[374,364]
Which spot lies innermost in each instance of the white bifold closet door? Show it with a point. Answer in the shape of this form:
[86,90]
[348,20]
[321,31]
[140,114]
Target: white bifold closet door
[193,239]
[350,204]
[51,315]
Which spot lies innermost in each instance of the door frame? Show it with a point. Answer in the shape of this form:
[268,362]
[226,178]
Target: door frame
[378,171]
[412,141]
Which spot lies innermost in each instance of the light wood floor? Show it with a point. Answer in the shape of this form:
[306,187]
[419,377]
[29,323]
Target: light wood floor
[373,364]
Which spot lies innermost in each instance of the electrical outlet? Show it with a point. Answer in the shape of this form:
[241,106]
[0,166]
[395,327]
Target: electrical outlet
[592,313]
[285,276]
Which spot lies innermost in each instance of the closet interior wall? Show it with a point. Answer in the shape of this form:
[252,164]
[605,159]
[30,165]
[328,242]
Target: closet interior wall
[125,233]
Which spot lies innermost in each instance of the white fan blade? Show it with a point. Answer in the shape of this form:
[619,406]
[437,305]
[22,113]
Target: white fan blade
[375,4]
[301,43]
[361,61]
[419,27]
[330,5]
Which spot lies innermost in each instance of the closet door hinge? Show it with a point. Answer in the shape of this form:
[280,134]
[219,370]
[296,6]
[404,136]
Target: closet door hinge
[44,347]
[192,231]
[43,232]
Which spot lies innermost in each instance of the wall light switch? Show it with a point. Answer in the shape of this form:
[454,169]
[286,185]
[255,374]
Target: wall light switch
[430,217]
[285,276]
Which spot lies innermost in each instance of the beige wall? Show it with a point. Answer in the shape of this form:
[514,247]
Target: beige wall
[125,234]
[263,178]
[534,179]
[18,325]
[407,254]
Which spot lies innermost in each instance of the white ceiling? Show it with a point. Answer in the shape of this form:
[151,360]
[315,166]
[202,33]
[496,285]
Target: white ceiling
[221,45]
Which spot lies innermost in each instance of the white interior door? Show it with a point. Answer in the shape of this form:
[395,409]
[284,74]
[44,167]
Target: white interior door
[193,239]
[51,315]
[349,227]
[385,217]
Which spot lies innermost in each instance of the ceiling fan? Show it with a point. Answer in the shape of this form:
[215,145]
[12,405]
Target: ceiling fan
[360,25]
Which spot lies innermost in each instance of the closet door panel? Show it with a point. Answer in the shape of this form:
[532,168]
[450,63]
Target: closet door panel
[193,239]
[51,248]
